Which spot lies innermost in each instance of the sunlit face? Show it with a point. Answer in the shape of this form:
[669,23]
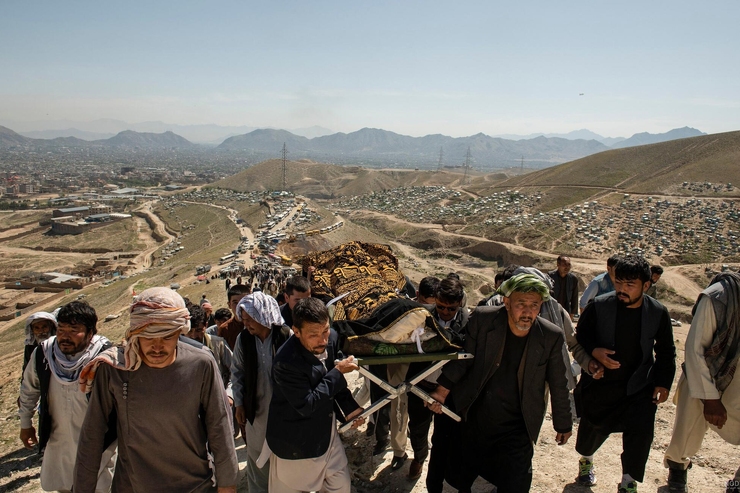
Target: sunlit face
[291,299]
[159,352]
[41,330]
[234,301]
[198,332]
[654,277]
[72,338]
[629,291]
[445,310]
[313,336]
[522,309]
[564,267]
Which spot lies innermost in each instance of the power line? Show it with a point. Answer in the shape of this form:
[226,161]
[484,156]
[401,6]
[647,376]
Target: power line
[441,156]
[467,166]
[285,158]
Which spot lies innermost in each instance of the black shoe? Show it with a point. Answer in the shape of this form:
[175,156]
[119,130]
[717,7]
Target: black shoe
[398,462]
[677,480]
[370,431]
[381,447]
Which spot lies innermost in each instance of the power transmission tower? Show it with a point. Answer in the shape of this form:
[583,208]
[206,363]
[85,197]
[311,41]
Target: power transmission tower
[285,156]
[441,155]
[522,163]
[467,166]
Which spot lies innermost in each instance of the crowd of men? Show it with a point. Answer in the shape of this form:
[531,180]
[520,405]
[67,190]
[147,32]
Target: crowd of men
[163,410]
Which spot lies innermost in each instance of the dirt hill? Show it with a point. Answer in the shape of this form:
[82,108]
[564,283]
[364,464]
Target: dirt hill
[655,169]
[317,180]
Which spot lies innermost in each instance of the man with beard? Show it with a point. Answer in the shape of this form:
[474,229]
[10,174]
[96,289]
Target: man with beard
[309,390]
[51,377]
[500,394]
[263,334]
[631,335]
[39,327]
[167,403]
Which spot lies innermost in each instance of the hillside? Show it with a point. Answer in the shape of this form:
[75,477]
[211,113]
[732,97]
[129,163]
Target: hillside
[655,168]
[318,180]
[9,138]
[129,138]
[647,138]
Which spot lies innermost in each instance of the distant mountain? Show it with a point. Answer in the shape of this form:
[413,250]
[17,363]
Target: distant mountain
[376,145]
[67,132]
[146,140]
[584,134]
[312,132]
[647,138]
[8,138]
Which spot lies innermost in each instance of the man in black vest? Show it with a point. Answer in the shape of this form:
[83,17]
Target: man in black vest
[264,333]
[631,335]
[310,393]
[53,370]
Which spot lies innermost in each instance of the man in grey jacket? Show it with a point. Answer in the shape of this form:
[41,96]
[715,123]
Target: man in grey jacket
[501,392]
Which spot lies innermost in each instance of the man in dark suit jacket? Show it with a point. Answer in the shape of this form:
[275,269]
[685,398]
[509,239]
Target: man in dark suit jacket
[565,290]
[309,390]
[501,392]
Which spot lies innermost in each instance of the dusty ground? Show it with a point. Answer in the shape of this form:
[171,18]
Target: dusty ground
[554,467]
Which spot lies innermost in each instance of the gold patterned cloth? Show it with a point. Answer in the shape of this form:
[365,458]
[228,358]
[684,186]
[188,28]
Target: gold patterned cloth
[367,271]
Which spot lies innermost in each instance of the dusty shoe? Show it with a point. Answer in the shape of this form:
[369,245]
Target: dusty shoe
[677,480]
[415,469]
[630,487]
[586,475]
[397,462]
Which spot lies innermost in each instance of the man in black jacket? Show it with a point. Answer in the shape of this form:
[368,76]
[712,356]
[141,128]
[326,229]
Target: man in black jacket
[500,394]
[309,393]
[565,290]
[631,335]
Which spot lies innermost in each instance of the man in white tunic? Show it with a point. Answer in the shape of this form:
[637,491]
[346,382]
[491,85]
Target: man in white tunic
[309,390]
[51,377]
[708,396]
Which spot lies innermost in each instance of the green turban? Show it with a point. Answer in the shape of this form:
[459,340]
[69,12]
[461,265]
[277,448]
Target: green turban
[524,283]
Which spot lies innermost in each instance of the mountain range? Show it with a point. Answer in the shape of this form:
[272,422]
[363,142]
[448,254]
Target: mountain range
[369,146]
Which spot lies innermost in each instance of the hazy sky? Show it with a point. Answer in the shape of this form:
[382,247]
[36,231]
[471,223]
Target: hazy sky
[413,67]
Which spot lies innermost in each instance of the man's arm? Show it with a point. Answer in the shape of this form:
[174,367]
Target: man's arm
[28,400]
[665,353]
[219,432]
[237,381]
[453,371]
[557,380]
[92,435]
[295,385]
[582,357]
[698,340]
[588,294]
[573,305]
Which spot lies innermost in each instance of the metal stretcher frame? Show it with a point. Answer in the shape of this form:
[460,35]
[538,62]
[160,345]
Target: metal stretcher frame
[440,360]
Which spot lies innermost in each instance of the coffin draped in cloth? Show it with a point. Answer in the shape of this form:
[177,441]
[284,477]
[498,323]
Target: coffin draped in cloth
[397,327]
[366,273]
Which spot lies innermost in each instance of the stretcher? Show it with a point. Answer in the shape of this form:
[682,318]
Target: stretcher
[439,360]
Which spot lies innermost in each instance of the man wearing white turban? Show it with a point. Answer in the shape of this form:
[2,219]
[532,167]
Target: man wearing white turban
[264,332]
[170,413]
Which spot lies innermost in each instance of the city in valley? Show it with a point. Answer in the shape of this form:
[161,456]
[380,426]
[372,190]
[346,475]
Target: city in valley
[82,223]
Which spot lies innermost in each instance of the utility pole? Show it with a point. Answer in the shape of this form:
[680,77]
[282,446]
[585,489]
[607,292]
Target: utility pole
[522,163]
[441,155]
[285,156]
[467,166]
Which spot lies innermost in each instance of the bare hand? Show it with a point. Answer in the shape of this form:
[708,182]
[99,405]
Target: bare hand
[660,395]
[602,356]
[227,489]
[439,395]
[28,437]
[562,438]
[356,422]
[715,412]
[596,369]
[346,365]
[241,415]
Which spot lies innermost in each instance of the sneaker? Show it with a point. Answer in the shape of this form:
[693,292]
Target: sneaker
[586,475]
[631,487]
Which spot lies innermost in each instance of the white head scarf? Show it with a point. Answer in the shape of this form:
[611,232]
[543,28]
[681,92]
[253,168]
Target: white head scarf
[264,309]
[30,339]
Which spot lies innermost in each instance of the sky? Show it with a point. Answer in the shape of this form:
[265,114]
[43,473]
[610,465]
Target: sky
[412,67]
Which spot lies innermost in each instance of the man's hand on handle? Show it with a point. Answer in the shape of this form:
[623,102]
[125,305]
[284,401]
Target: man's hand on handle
[439,395]
[356,422]
[346,365]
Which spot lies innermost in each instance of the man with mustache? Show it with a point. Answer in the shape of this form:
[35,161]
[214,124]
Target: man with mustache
[39,327]
[165,399]
[51,377]
[631,336]
[500,394]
